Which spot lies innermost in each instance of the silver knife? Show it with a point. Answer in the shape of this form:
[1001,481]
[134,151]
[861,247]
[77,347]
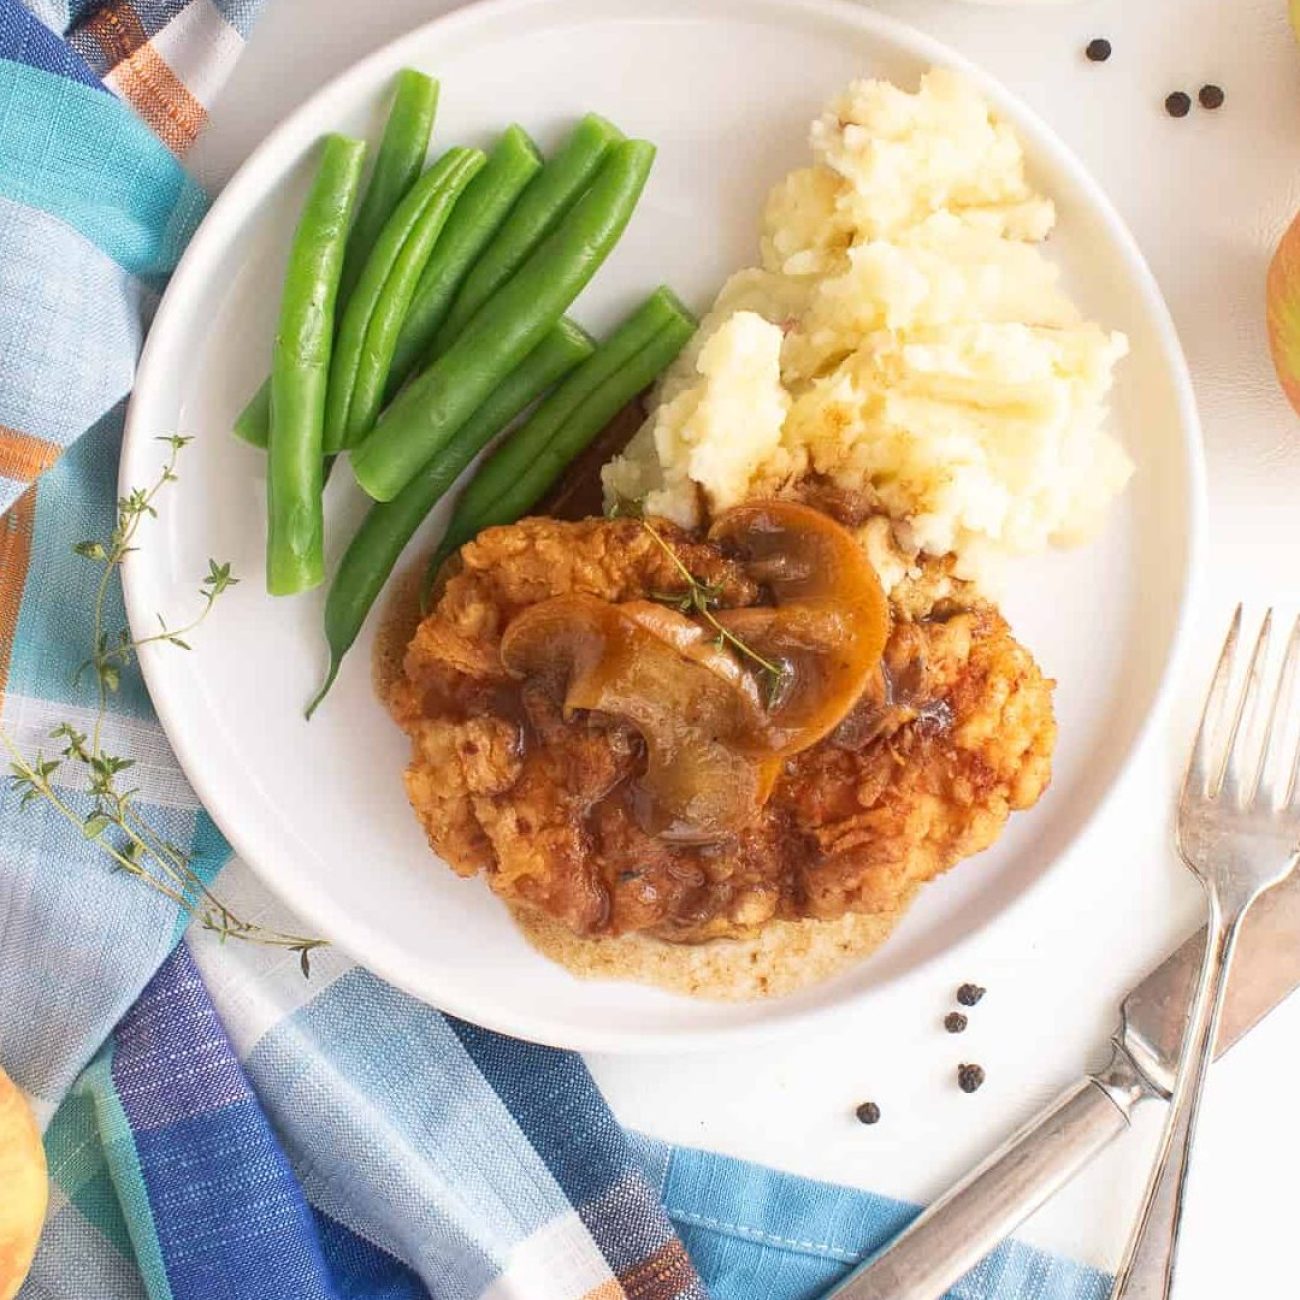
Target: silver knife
[946,1241]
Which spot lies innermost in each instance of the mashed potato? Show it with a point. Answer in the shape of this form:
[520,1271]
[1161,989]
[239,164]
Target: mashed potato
[904,337]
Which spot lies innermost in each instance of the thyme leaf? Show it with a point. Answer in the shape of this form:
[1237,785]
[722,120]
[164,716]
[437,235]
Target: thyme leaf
[113,821]
[702,598]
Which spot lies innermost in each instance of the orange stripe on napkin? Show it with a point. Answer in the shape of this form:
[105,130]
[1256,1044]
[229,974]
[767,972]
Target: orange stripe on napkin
[665,1274]
[160,97]
[139,74]
[17,525]
[117,30]
[24,457]
[606,1291]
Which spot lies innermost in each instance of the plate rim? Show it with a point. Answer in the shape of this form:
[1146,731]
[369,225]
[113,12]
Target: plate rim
[536,1027]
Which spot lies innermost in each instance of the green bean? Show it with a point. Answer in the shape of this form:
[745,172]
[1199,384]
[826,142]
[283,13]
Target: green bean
[541,207]
[401,155]
[300,368]
[364,346]
[253,423]
[596,411]
[385,531]
[512,162]
[513,458]
[399,161]
[525,466]
[424,415]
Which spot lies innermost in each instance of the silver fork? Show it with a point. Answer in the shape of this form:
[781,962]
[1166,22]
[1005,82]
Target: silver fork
[1239,832]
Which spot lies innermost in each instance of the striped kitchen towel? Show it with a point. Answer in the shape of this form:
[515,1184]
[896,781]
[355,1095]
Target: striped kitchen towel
[219,1127]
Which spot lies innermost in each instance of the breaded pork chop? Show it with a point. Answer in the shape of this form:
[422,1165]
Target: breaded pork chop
[954,731]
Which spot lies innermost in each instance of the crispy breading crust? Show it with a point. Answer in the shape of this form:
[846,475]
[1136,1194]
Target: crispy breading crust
[956,733]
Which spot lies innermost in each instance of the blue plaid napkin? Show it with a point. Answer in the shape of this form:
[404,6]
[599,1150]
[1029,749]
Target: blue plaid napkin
[216,1125]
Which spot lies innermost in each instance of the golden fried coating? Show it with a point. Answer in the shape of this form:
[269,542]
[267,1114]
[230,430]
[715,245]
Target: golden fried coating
[955,732]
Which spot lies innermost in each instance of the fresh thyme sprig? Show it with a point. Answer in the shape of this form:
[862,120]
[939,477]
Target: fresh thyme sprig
[114,821]
[702,598]
[626,508]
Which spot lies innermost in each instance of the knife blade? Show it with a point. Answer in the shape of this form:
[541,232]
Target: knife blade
[1266,969]
[947,1240]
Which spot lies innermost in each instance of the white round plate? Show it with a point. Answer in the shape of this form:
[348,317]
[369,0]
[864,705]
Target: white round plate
[727,90]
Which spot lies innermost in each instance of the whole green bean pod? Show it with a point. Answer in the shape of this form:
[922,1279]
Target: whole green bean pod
[389,525]
[526,465]
[398,162]
[599,408]
[300,370]
[541,207]
[401,156]
[479,213]
[426,414]
[363,349]
[514,457]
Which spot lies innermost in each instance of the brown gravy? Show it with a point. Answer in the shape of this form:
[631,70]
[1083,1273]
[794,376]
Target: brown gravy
[399,618]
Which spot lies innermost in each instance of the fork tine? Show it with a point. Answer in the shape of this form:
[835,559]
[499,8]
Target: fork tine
[1240,766]
[1292,796]
[1197,781]
[1275,729]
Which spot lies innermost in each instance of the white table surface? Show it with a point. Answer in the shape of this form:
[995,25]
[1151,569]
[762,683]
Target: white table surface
[1206,197]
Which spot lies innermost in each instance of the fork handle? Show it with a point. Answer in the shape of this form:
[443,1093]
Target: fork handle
[1146,1271]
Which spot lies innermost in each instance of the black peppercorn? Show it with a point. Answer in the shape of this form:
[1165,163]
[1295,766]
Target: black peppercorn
[970,1077]
[954,1022]
[1178,104]
[868,1113]
[969,994]
[1098,51]
[1211,96]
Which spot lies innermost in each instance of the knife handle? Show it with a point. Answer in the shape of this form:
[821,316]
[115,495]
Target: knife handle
[947,1240]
